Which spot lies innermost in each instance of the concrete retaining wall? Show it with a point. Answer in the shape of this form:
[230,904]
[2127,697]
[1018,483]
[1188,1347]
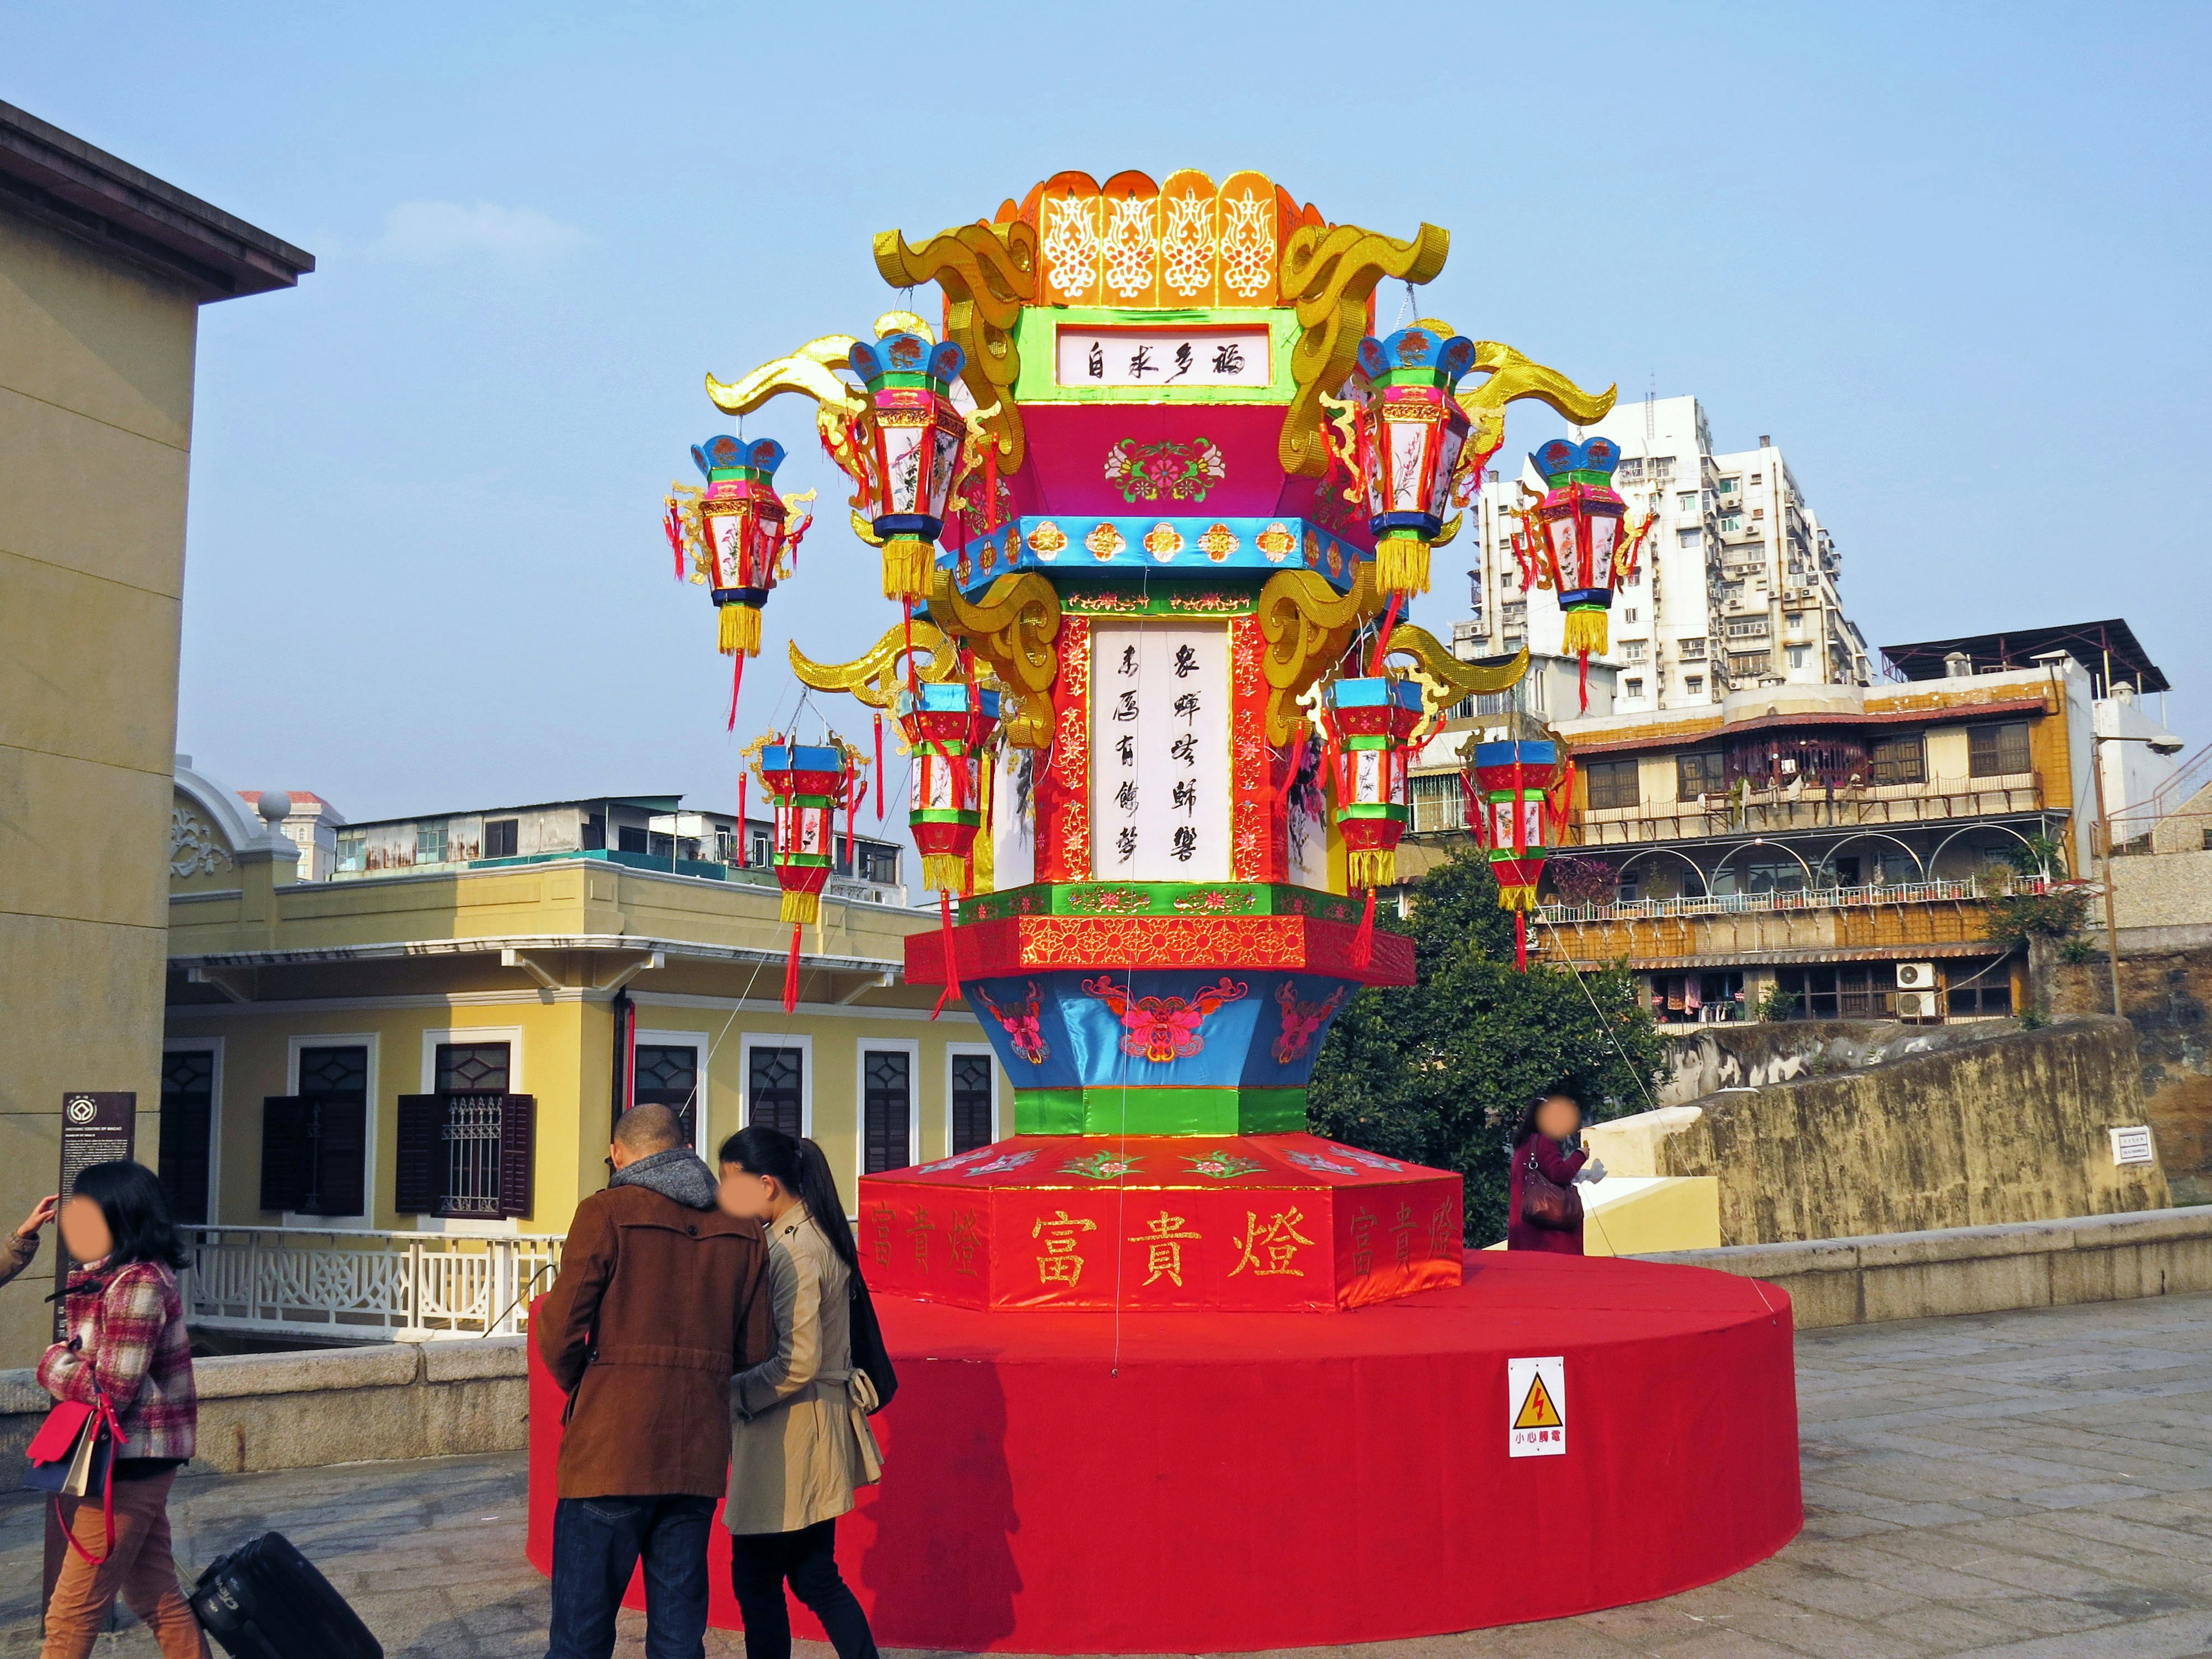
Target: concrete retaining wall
[2166,991]
[291,1411]
[1976,1127]
[1971,1270]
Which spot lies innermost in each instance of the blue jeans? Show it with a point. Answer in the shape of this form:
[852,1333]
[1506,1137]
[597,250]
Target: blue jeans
[597,1544]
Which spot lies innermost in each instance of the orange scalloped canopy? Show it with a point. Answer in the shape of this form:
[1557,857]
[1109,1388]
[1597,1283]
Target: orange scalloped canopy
[1184,242]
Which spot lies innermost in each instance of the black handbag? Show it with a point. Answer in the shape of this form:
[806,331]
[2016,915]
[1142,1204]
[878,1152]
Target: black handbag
[1544,1202]
[869,1354]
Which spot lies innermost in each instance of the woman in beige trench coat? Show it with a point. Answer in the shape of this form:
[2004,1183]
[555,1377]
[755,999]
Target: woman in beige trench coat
[800,1442]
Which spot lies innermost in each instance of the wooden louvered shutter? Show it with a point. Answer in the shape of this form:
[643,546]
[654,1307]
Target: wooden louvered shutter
[342,1165]
[284,1145]
[518,1144]
[418,1181]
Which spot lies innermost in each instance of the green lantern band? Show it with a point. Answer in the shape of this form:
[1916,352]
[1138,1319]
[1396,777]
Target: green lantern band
[1158,1109]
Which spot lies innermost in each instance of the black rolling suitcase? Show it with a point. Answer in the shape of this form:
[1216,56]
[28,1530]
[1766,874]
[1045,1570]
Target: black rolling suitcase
[266,1600]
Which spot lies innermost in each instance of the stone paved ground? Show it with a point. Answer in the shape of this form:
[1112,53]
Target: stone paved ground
[2023,1485]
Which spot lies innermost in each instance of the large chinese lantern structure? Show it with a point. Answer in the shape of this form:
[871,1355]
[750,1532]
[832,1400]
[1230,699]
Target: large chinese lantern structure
[1152,502]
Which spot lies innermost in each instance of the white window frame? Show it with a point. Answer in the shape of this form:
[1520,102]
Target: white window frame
[700,1045]
[208,1045]
[960,1051]
[367,1221]
[748,1040]
[862,1048]
[474,1226]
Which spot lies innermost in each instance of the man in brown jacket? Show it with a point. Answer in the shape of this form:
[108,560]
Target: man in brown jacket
[662,1298]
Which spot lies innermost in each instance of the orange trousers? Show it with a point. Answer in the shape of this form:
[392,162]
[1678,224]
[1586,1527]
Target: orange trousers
[138,1568]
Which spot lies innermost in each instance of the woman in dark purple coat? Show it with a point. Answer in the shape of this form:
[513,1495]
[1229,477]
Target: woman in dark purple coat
[1541,1142]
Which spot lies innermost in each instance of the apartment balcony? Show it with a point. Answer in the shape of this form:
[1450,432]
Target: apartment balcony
[1773,812]
[1934,918]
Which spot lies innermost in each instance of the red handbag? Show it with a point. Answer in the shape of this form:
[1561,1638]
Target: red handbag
[74,1451]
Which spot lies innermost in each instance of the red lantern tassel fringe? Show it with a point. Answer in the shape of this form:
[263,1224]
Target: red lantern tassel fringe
[791,972]
[852,806]
[879,765]
[674,525]
[951,956]
[737,682]
[1362,942]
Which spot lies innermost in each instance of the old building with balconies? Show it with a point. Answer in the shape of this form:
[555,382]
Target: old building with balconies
[1823,850]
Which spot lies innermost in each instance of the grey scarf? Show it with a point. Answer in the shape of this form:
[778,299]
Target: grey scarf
[679,1173]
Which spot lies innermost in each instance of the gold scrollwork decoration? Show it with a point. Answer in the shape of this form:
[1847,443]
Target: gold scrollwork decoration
[1307,625]
[1444,679]
[988,273]
[1511,378]
[1326,273]
[876,677]
[1011,628]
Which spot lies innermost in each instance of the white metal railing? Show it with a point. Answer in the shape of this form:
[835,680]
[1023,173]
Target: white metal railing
[365,1286]
[1813,898]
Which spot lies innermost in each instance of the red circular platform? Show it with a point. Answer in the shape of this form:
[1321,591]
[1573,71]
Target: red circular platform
[1176,1483]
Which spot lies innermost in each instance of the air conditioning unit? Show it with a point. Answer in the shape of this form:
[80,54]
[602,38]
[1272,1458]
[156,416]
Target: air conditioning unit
[1916,976]
[1916,1004]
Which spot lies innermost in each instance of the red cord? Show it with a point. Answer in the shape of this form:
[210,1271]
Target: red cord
[791,973]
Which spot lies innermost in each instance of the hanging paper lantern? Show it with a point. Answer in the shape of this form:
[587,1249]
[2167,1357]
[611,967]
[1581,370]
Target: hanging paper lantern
[1573,541]
[744,538]
[911,447]
[948,728]
[1514,809]
[806,783]
[1372,717]
[1412,432]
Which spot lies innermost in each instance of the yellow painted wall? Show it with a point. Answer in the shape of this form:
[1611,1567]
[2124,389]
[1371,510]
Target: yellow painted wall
[561,1054]
[95,435]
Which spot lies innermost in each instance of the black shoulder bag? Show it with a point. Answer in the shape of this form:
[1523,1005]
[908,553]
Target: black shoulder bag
[869,1353]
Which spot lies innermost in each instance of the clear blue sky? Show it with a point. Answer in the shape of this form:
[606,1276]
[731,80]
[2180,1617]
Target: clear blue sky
[1953,257]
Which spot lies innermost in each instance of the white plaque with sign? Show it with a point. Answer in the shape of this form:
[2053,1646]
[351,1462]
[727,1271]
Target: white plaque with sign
[1127,357]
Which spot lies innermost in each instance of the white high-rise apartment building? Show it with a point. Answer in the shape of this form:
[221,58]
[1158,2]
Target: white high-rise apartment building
[1736,586]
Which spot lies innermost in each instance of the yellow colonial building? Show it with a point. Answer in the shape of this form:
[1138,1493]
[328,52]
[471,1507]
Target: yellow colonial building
[386,1092]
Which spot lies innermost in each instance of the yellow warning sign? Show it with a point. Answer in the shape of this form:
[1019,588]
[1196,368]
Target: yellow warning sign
[1537,1411]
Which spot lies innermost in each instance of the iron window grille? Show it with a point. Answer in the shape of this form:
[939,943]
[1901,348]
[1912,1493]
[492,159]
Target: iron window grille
[468,1149]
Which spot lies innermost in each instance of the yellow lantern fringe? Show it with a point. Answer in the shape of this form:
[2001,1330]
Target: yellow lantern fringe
[1372,867]
[1516,898]
[1401,565]
[909,563]
[801,907]
[741,630]
[1585,631]
[944,872]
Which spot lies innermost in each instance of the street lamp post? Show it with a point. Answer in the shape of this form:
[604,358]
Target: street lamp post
[2099,739]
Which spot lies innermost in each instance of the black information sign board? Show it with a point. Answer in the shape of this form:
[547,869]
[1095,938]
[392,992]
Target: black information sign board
[96,1127]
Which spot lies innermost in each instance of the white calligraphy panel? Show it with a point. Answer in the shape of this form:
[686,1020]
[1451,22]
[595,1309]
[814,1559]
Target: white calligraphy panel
[1159,751]
[1235,356]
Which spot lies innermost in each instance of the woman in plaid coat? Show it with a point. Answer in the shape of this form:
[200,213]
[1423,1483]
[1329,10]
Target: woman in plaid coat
[126,1341]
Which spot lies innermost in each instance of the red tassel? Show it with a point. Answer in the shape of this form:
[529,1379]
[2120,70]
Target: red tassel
[673,524]
[879,765]
[852,806]
[737,681]
[791,973]
[743,856]
[1582,680]
[990,486]
[952,956]
[1362,942]
[1382,639]
[1521,941]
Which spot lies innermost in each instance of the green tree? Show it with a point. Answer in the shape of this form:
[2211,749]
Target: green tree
[1438,1071]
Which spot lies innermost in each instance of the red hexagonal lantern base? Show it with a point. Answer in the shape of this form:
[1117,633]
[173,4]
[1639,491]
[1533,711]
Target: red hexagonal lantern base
[1287,1223]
